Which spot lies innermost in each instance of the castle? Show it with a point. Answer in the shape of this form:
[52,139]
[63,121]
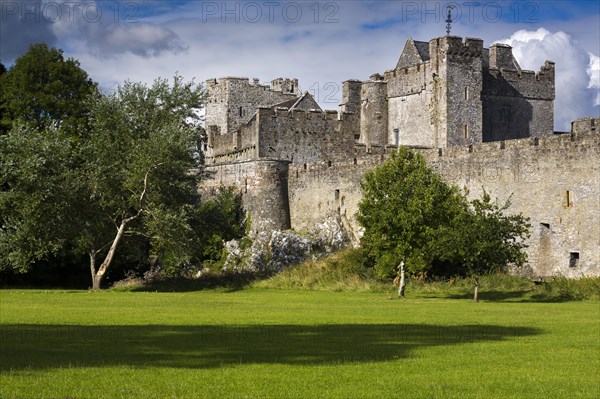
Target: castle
[480,120]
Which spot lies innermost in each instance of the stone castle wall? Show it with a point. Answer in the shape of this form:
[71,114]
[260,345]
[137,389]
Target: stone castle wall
[263,184]
[232,102]
[516,104]
[480,120]
[305,136]
[555,181]
[297,136]
[535,174]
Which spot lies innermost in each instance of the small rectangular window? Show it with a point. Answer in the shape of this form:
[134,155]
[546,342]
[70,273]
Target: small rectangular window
[466,128]
[337,194]
[568,199]
[574,259]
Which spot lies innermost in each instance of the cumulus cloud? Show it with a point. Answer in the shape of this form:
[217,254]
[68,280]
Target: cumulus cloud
[594,74]
[576,71]
[107,32]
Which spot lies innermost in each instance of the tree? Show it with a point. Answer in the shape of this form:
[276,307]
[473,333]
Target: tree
[412,219]
[483,239]
[36,183]
[135,174]
[42,87]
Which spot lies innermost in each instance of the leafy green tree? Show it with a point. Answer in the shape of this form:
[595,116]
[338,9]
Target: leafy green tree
[412,219]
[135,174]
[483,239]
[36,182]
[403,202]
[42,87]
[219,218]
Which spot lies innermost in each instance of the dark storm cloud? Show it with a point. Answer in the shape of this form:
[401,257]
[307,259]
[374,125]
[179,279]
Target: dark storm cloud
[22,24]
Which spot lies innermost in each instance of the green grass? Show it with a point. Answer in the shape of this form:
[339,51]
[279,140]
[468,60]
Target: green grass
[345,271]
[293,344]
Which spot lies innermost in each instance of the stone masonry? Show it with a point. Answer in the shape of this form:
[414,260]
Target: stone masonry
[480,120]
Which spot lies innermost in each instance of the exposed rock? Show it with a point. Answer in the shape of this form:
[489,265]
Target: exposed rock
[276,250]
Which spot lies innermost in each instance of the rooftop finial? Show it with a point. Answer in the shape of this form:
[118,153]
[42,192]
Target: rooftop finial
[449,19]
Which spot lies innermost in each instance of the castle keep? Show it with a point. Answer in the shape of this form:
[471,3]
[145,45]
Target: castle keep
[478,118]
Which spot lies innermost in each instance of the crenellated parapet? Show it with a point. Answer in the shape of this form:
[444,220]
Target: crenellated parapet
[232,101]
[521,83]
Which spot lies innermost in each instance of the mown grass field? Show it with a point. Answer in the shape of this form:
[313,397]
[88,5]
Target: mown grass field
[268,343]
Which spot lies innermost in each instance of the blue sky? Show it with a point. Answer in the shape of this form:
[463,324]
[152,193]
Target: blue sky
[322,43]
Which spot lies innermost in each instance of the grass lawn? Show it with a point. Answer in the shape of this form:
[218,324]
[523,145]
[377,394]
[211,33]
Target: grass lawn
[293,344]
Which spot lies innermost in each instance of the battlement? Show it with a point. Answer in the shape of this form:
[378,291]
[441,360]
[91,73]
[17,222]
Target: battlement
[546,73]
[284,85]
[500,56]
[232,101]
[521,83]
[455,46]
[585,125]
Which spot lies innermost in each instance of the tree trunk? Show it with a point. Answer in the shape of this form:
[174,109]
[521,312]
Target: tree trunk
[402,284]
[98,276]
[476,295]
[95,282]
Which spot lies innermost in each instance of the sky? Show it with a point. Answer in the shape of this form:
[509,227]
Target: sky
[322,43]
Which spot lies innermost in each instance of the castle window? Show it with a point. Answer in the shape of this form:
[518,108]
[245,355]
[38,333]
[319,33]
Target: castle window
[397,136]
[355,161]
[466,93]
[573,259]
[337,194]
[466,131]
[568,199]
[241,111]
[304,166]
[329,164]
[544,229]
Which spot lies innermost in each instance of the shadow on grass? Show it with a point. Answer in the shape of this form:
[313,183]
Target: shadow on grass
[208,346]
[519,296]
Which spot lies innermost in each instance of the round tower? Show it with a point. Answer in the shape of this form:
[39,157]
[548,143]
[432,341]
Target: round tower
[374,112]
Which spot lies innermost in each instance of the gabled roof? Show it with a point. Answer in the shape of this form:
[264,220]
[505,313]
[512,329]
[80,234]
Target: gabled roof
[414,53]
[305,102]
[423,49]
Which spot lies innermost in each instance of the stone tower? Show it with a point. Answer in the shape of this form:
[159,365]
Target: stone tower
[456,72]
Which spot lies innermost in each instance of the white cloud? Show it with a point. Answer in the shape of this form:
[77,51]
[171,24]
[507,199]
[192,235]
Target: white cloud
[367,38]
[594,74]
[575,94]
[87,26]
